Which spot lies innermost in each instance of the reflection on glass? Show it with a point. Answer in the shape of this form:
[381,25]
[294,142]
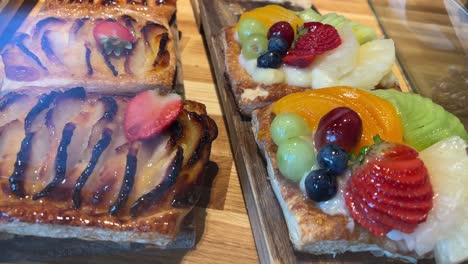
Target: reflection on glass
[431,38]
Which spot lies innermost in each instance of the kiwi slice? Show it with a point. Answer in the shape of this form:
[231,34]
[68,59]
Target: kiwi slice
[424,122]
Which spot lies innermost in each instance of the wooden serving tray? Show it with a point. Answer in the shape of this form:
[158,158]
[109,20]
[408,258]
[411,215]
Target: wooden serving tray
[266,217]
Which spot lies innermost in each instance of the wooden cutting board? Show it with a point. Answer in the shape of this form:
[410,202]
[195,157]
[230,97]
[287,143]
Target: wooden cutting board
[223,232]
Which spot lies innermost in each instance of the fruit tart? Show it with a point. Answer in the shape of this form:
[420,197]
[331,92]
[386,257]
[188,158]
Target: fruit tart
[101,167]
[380,171]
[273,51]
[106,48]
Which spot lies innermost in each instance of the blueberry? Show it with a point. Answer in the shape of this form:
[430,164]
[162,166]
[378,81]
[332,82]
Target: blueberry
[333,158]
[321,185]
[269,59]
[278,44]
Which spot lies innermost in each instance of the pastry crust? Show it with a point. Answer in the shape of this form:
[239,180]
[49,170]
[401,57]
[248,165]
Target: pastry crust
[145,215]
[156,8]
[240,81]
[57,50]
[311,230]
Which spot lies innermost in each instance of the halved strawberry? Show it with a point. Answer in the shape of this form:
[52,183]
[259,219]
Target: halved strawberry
[319,39]
[392,187]
[298,58]
[149,113]
[315,38]
[113,37]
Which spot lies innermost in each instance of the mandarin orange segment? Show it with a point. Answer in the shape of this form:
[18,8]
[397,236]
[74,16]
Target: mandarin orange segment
[271,14]
[378,115]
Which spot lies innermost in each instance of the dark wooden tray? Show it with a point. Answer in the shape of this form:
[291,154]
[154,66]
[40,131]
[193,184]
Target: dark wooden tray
[266,218]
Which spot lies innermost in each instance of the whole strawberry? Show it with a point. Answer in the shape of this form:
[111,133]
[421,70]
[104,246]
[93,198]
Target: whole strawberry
[390,190]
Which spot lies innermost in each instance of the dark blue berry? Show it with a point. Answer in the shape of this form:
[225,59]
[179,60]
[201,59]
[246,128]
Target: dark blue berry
[333,158]
[269,59]
[320,185]
[278,45]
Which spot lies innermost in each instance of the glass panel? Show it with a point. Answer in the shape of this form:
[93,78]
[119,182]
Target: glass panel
[431,39]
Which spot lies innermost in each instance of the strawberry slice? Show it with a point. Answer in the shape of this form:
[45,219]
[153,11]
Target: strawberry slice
[148,114]
[391,189]
[375,197]
[355,207]
[318,39]
[405,173]
[381,217]
[298,58]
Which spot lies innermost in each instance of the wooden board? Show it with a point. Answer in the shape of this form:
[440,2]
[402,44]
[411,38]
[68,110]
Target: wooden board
[269,228]
[223,232]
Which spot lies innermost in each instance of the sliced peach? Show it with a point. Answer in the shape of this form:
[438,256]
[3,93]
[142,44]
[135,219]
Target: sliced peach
[271,14]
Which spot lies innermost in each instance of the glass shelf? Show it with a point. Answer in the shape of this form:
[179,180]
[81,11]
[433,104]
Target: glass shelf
[431,39]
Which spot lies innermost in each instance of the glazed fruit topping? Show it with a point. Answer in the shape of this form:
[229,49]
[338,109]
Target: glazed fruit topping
[341,126]
[316,39]
[278,45]
[390,190]
[149,113]
[250,26]
[269,59]
[113,37]
[295,157]
[254,45]
[320,185]
[298,58]
[282,29]
[333,158]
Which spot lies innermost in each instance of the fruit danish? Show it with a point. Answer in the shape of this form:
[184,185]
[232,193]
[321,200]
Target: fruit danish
[355,170]
[107,49]
[273,51]
[100,167]
[158,8]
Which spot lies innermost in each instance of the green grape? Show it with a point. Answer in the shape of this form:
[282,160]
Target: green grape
[295,158]
[309,15]
[286,126]
[254,45]
[250,26]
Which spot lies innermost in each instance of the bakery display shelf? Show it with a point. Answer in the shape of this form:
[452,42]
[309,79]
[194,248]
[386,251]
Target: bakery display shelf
[266,218]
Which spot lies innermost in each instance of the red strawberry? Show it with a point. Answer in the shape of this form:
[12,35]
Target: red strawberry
[113,37]
[318,39]
[390,189]
[298,58]
[148,114]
